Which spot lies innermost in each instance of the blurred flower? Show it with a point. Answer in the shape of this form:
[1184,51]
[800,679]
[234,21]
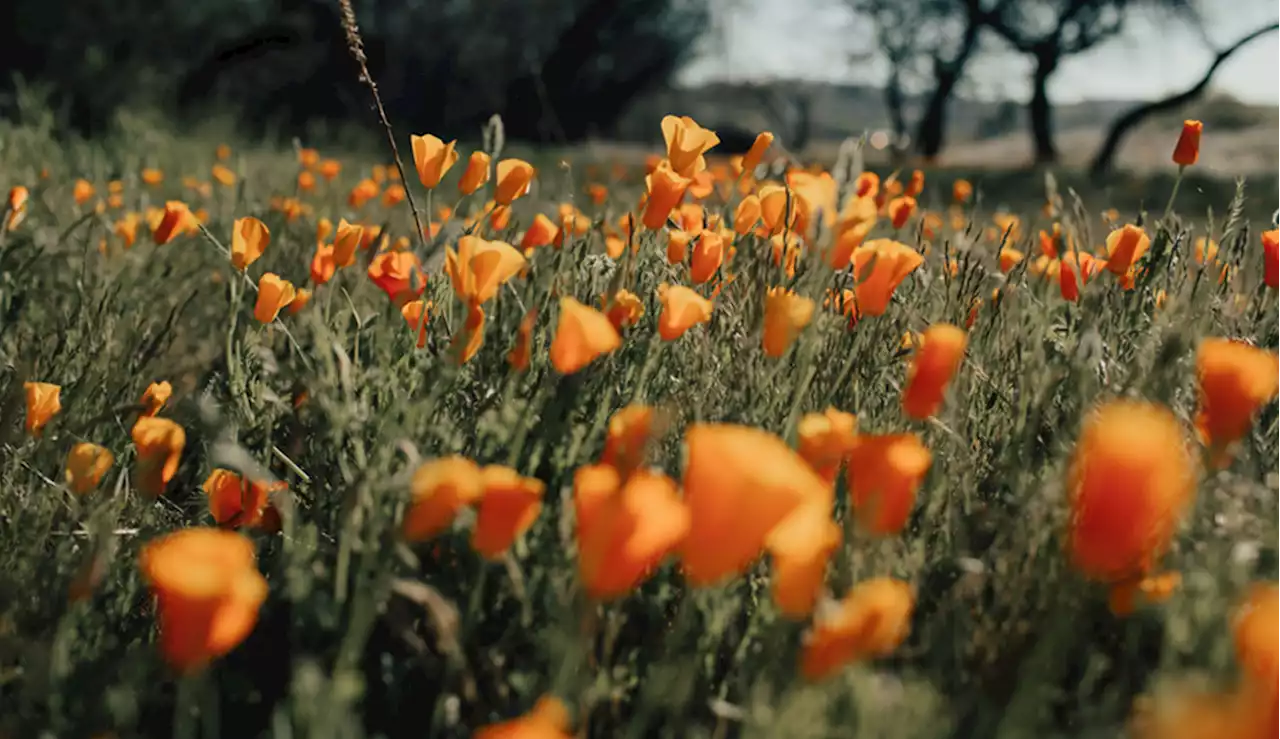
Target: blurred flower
[399,274]
[439,490]
[152,176]
[961,191]
[159,444]
[785,315]
[507,508]
[872,621]
[1235,381]
[82,192]
[346,241]
[932,367]
[329,169]
[86,465]
[879,266]
[415,313]
[323,264]
[1125,246]
[155,397]
[582,335]
[883,475]
[755,154]
[799,548]
[1187,150]
[520,354]
[682,309]
[1271,257]
[665,189]
[223,175]
[549,719]
[177,218]
[235,501]
[624,309]
[540,233]
[826,440]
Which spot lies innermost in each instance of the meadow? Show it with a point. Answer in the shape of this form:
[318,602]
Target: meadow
[295,444]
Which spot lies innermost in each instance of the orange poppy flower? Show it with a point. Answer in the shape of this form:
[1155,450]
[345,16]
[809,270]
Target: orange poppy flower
[478,268]
[330,168]
[740,483]
[961,191]
[1125,246]
[582,335]
[597,193]
[686,143]
[799,548]
[323,264]
[901,209]
[364,191]
[879,266]
[775,200]
[222,152]
[399,274]
[867,185]
[826,440]
[308,158]
[1076,269]
[473,177]
[747,215]
[235,501]
[625,527]
[301,297]
[785,315]
[414,313]
[439,489]
[665,190]
[542,232]
[177,219]
[82,192]
[1187,151]
[155,397]
[17,205]
[127,229]
[884,473]
[470,336]
[86,465]
[274,294]
[306,181]
[624,309]
[1235,380]
[508,506]
[678,245]
[1010,258]
[1131,479]
[932,367]
[208,592]
[152,176]
[872,621]
[43,404]
[755,154]
[159,444]
[708,255]
[520,354]
[514,179]
[1271,257]
[628,436]
[432,158]
[223,175]
[346,241]
[1257,647]
[249,239]
[682,309]
[549,719]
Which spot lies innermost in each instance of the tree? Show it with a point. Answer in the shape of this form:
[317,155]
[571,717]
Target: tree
[1048,31]
[1122,126]
[926,44]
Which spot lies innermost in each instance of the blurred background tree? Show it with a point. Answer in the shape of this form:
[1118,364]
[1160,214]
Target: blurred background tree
[556,70]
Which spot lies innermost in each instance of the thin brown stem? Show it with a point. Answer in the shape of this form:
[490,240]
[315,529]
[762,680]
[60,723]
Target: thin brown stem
[355,45]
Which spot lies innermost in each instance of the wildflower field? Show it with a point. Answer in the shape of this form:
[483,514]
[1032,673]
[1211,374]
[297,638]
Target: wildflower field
[301,444]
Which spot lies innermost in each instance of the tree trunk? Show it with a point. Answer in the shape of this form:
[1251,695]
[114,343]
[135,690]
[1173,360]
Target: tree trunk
[931,132]
[895,102]
[1104,160]
[1040,110]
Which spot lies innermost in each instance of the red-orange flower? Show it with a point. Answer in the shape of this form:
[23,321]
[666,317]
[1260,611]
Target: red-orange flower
[884,473]
[43,404]
[961,191]
[785,315]
[549,719]
[542,232]
[439,489]
[1131,480]
[682,309]
[1187,151]
[520,354]
[86,465]
[177,219]
[708,255]
[236,501]
[582,335]
[1125,246]
[799,548]
[871,621]
[628,436]
[932,367]
[826,440]
[155,397]
[509,504]
[879,266]
[665,189]
[208,592]
[1236,380]
[740,483]
[901,209]
[626,526]
[415,313]
[159,444]
[399,274]
[624,309]
[1271,257]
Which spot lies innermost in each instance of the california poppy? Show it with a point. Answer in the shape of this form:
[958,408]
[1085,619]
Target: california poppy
[867,185]
[508,506]
[961,191]
[755,154]
[208,592]
[686,143]
[549,719]
[1257,647]
[346,241]
[323,264]
[826,440]
[582,335]
[1130,481]
[479,267]
[43,404]
[1125,246]
[785,315]
[799,548]
[82,192]
[901,209]
[740,483]
[86,465]
[159,444]
[236,501]
[432,158]
[665,189]
[932,366]
[708,255]
[514,178]
[399,274]
[627,438]
[223,175]
[414,313]
[1075,269]
[1187,151]
[155,397]
[177,219]
[540,233]
[249,239]
[879,266]
[476,174]
[439,489]
[624,309]
[682,309]
[16,206]
[884,473]
[274,294]
[1271,257]
[520,354]
[625,527]
[678,245]
[1235,380]
[747,215]
[872,621]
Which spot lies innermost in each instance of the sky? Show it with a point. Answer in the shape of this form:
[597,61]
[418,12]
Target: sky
[813,39]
